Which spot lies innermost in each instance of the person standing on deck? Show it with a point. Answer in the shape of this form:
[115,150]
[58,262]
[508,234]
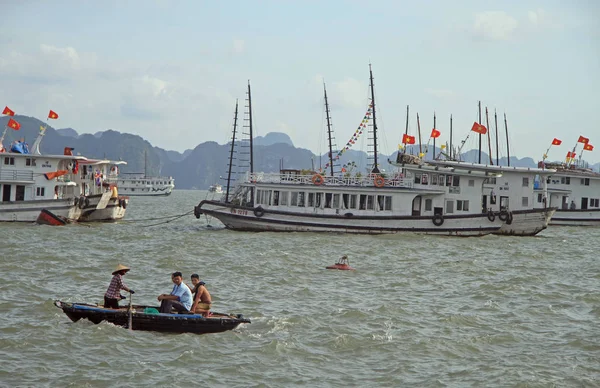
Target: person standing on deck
[113,294]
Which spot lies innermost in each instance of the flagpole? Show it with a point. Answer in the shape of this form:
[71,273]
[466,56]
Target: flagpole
[434,126]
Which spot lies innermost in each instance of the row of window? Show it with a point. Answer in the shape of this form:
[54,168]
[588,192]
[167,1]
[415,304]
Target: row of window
[324,200]
[10,161]
[440,180]
[565,180]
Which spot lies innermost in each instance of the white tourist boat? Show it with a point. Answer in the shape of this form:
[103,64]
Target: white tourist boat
[136,184]
[514,197]
[575,191]
[100,199]
[216,188]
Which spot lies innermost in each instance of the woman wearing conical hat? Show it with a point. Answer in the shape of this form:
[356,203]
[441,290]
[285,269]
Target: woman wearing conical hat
[113,294]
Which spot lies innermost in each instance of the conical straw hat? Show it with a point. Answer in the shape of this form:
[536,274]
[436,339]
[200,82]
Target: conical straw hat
[121,267]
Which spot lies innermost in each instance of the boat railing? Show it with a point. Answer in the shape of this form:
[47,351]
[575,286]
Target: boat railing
[360,181]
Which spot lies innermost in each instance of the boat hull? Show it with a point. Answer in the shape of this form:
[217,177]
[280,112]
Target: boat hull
[167,323]
[48,218]
[527,222]
[29,211]
[588,217]
[114,210]
[245,219]
[154,192]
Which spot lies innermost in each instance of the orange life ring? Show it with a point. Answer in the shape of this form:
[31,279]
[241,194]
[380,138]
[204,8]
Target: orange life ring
[379,181]
[317,179]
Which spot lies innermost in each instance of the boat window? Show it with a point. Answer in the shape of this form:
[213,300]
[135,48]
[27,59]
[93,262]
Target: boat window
[380,202]
[462,206]
[471,182]
[353,202]
[417,178]
[294,199]
[525,201]
[449,207]
[311,200]
[318,199]
[456,180]
[388,202]
[525,181]
[9,160]
[328,198]
[585,181]
[448,180]
[336,201]
[434,179]
[428,204]
[30,162]
[283,198]
[275,198]
[301,196]
[503,203]
[540,196]
[370,202]
[263,197]
[40,191]
[345,201]
[568,180]
[425,179]
[594,202]
[442,180]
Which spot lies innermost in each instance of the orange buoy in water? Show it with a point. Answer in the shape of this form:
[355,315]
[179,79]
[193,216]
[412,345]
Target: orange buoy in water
[342,264]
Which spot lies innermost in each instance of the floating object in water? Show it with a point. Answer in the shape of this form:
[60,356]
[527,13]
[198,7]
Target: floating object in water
[342,264]
[46,217]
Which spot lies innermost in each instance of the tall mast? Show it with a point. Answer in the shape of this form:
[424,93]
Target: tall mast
[434,126]
[487,125]
[507,146]
[375,169]
[451,150]
[496,124]
[480,133]
[250,128]
[145,164]
[406,130]
[419,131]
[231,152]
[328,130]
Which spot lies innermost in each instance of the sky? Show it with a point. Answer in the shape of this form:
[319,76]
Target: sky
[171,71]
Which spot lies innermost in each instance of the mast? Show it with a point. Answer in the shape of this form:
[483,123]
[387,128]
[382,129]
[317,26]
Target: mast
[250,128]
[375,169]
[480,133]
[231,152]
[406,130]
[451,151]
[435,127]
[507,146]
[328,130]
[145,164]
[419,131]
[496,125]
[487,125]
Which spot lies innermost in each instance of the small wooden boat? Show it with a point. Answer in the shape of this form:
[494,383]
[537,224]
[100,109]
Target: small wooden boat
[148,318]
[46,217]
[341,264]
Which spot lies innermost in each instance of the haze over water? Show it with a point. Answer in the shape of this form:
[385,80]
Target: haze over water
[418,311]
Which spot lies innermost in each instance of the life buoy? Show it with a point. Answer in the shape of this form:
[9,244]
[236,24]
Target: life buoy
[509,218]
[259,211]
[503,215]
[491,216]
[317,179]
[379,181]
[438,219]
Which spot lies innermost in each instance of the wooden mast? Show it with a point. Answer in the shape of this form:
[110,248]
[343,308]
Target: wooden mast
[487,124]
[419,131]
[328,131]
[375,169]
[507,146]
[231,152]
[250,128]
[435,127]
[480,133]
[496,125]
[451,150]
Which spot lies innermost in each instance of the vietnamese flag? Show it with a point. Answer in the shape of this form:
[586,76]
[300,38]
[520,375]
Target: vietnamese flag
[435,133]
[570,155]
[556,141]
[52,114]
[583,140]
[407,139]
[8,111]
[588,147]
[14,124]
[480,129]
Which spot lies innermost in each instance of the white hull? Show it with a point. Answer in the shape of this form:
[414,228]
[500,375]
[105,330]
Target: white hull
[576,217]
[146,192]
[243,218]
[113,211]
[28,211]
[527,222]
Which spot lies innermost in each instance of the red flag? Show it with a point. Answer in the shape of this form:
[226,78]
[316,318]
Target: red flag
[407,139]
[583,140]
[556,141]
[480,129]
[570,155]
[8,111]
[435,133]
[52,114]
[14,124]
[588,147]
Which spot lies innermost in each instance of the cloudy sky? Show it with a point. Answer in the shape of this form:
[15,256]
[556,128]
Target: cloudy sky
[171,71]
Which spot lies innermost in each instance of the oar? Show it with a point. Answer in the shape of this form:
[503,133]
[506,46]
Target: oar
[130,312]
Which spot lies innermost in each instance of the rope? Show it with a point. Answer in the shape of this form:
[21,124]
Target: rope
[175,216]
[166,222]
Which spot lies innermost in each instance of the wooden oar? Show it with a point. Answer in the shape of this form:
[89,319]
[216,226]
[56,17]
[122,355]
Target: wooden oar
[130,311]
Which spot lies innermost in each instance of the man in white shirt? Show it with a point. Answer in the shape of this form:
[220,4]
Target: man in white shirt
[180,298]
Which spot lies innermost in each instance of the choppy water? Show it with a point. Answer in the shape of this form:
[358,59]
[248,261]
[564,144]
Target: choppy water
[418,311]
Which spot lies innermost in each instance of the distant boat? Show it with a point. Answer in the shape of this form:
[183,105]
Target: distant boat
[140,184]
[216,188]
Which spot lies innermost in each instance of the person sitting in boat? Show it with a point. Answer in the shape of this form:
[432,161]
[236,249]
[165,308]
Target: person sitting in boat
[179,299]
[343,260]
[113,294]
[202,299]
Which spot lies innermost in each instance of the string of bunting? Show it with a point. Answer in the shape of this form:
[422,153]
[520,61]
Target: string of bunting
[361,127]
